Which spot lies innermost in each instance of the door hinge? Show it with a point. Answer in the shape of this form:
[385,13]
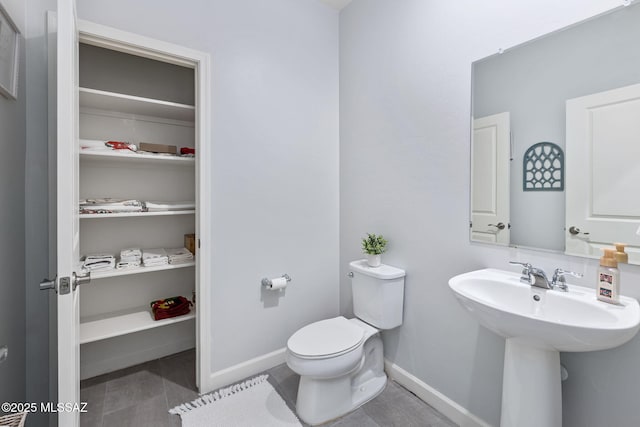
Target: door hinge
[198,243]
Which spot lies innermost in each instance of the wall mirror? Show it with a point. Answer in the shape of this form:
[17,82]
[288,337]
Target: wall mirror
[578,89]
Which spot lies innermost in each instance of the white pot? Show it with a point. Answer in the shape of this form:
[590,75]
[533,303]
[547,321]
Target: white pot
[373,260]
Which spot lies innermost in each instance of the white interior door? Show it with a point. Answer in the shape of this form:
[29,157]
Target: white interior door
[603,171]
[490,154]
[67,211]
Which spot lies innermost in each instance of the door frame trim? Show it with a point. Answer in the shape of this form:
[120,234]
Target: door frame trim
[123,41]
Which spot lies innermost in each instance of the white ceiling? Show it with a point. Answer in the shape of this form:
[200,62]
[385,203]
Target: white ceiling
[336,4]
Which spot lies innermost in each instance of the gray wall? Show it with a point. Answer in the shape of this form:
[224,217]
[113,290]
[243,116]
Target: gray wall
[12,263]
[405,74]
[533,82]
[275,157]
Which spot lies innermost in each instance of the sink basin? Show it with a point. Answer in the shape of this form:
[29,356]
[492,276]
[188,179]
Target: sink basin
[537,324]
[564,321]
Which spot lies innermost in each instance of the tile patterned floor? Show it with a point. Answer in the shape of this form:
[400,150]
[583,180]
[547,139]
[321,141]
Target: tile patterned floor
[140,396]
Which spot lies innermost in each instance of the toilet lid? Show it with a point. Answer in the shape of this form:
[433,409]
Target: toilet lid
[326,338]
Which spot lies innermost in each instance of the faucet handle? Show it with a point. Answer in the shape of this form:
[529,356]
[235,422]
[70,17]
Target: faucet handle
[525,265]
[560,273]
[559,280]
[527,276]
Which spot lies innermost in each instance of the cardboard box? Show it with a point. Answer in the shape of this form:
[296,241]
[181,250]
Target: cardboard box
[158,148]
[190,243]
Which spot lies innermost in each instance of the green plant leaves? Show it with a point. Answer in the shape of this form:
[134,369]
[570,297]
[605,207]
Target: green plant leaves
[374,245]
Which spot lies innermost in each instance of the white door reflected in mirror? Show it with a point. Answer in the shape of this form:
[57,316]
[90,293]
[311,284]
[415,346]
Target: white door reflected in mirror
[490,154]
[604,178]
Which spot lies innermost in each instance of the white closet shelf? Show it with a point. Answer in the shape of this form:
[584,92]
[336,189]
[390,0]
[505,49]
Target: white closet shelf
[124,322]
[138,270]
[136,214]
[122,103]
[130,158]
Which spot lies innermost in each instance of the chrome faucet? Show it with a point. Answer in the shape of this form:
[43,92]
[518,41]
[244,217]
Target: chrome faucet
[536,277]
[559,280]
[533,276]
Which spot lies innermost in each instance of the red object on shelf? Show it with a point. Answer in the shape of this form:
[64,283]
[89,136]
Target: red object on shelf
[170,307]
[187,150]
[119,145]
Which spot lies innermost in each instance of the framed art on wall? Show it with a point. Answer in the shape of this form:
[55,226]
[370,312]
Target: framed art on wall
[9,53]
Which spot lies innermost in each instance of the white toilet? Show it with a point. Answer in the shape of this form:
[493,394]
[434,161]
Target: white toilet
[340,361]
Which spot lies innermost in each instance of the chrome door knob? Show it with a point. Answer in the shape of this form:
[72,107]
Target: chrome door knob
[81,280]
[575,231]
[48,284]
[499,226]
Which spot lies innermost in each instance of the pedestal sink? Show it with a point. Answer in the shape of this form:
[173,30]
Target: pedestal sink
[537,324]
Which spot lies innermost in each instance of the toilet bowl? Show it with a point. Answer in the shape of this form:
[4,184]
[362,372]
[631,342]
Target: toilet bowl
[340,361]
[326,349]
[339,377]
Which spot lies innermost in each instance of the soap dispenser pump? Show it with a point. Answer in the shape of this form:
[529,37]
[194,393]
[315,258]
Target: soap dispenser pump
[621,255]
[608,287]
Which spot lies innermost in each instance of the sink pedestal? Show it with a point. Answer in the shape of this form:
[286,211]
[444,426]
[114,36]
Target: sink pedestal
[531,386]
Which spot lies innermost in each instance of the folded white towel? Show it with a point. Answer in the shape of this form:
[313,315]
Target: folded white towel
[99,262]
[179,261]
[154,262]
[99,265]
[169,206]
[94,257]
[127,264]
[154,257]
[178,254]
[131,253]
[153,253]
[110,205]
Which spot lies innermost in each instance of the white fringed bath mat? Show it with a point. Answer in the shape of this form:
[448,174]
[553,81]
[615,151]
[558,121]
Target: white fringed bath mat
[248,404]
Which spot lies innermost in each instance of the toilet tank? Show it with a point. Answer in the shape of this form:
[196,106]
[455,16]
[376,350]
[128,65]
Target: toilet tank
[378,294]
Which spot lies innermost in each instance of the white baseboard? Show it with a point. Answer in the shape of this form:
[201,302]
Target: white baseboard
[245,369]
[428,394]
[93,368]
[433,397]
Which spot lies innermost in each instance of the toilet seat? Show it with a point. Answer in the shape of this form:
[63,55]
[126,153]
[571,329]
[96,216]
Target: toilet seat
[326,338]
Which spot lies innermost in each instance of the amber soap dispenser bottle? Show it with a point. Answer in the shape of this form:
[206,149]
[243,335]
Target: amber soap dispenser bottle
[608,289]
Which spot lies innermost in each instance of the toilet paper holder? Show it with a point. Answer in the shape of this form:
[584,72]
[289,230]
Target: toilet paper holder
[267,282]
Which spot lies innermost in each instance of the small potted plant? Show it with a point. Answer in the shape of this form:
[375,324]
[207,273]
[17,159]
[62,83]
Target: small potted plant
[373,246]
